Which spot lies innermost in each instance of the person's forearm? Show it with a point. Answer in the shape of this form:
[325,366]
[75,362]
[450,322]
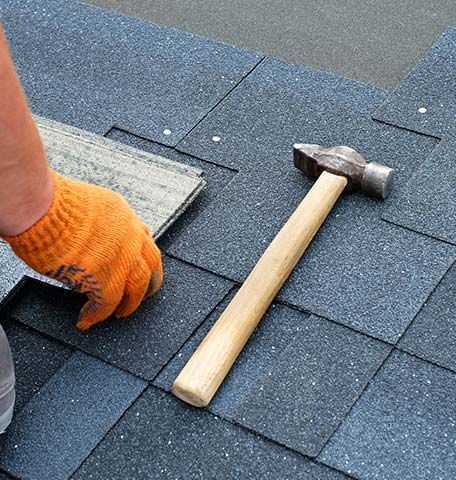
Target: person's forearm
[26,187]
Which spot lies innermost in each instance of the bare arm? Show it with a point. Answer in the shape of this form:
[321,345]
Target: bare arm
[26,186]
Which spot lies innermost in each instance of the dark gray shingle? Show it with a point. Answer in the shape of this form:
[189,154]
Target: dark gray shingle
[432,335]
[403,427]
[143,342]
[425,99]
[60,427]
[360,270]
[428,202]
[165,438]
[36,359]
[288,369]
[95,69]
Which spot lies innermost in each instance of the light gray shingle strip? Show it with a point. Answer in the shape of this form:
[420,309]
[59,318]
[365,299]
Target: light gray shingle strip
[158,189]
[216,177]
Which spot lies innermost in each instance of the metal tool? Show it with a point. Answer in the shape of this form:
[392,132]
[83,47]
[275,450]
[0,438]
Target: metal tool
[337,169]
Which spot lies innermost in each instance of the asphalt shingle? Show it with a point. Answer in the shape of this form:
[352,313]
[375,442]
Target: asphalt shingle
[164,438]
[157,189]
[402,428]
[371,41]
[36,359]
[144,342]
[432,335]
[424,101]
[94,69]
[60,427]
[428,202]
[287,369]
[360,271]
[217,178]
[300,374]
[13,269]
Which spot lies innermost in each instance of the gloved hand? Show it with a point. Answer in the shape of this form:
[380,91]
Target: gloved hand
[92,241]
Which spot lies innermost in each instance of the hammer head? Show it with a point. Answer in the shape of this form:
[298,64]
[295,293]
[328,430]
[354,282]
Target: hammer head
[371,178]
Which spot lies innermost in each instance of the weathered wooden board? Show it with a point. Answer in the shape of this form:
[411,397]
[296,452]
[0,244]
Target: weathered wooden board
[158,189]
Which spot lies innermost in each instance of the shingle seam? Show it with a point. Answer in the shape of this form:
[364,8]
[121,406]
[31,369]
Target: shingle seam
[349,327]
[439,239]
[52,339]
[423,305]
[154,142]
[146,386]
[423,359]
[228,293]
[357,399]
[264,437]
[317,462]
[9,297]
[203,118]
[203,269]
[8,474]
[400,127]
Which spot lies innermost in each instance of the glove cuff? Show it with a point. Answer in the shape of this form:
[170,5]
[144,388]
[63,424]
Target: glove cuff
[67,214]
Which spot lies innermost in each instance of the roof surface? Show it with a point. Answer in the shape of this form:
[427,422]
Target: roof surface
[365,40]
[352,372]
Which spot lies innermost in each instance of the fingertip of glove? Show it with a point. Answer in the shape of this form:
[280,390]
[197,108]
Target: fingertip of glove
[91,314]
[156,281]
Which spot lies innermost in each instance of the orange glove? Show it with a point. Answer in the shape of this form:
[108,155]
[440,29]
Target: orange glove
[92,241]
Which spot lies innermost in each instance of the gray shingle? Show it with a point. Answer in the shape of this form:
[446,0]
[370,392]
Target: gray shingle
[59,427]
[217,178]
[36,359]
[359,271]
[402,428]
[425,99]
[95,69]
[143,342]
[157,189]
[164,438]
[13,270]
[280,104]
[432,335]
[428,202]
[288,370]
[313,385]
[276,330]
[374,42]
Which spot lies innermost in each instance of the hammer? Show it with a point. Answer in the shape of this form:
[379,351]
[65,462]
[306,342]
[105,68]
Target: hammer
[336,169]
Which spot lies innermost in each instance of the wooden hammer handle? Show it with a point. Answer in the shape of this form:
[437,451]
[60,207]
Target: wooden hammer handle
[200,378]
